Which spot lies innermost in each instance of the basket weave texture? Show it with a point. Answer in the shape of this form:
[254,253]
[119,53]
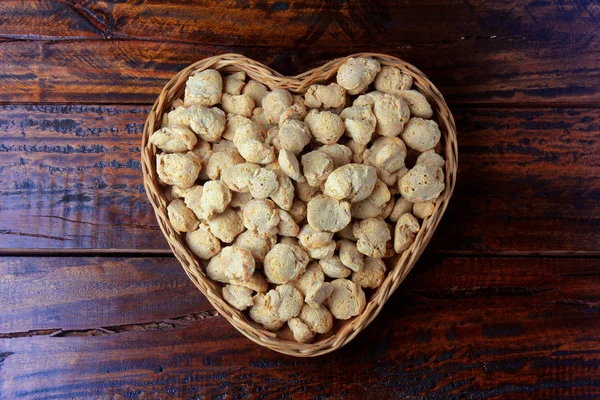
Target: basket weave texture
[398,266]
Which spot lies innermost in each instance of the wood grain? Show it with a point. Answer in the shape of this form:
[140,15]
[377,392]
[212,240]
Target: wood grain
[286,24]
[62,293]
[528,181]
[475,52]
[458,327]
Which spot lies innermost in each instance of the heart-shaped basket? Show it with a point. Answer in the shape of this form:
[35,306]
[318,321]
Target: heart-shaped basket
[398,266]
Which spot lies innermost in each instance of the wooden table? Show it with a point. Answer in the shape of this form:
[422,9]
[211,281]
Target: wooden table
[504,303]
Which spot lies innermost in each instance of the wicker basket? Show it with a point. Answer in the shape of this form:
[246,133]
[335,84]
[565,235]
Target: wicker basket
[398,266]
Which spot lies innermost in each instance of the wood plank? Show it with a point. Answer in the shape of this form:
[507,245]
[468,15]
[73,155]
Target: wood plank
[470,71]
[312,22]
[459,327]
[62,293]
[529,181]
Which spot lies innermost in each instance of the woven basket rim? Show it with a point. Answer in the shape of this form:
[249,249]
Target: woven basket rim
[231,62]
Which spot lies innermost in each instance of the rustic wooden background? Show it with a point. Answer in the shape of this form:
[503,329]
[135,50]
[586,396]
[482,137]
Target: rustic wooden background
[504,303]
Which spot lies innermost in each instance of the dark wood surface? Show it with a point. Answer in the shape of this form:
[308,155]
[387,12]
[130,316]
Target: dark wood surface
[505,302]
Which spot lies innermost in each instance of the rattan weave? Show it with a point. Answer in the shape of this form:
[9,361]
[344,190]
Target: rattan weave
[399,267]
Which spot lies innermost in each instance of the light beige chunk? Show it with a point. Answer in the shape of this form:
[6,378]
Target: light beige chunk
[234,121]
[392,81]
[247,131]
[215,198]
[226,225]
[404,233]
[316,166]
[204,88]
[256,90]
[176,139]
[284,263]
[258,245]
[275,103]
[311,238]
[339,154]
[423,209]
[327,214]
[321,253]
[388,208]
[291,302]
[360,123]
[222,160]
[287,226]
[373,205]
[204,152]
[334,268]
[321,96]
[350,256]
[256,283]
[182,218]
[354,182]
[319,319]
[387,155]
[318,293]
[261,216]
[208,123]
[177,117]
[237,177]
[347,299]
[304,191]
[238,199]
[258,117]
[356,74]
[238,297]
[202,242]
[402,206]
[240,104]
[391,112]
[272,138]
[233,262]
[311,276]
[263,183]
[256,151]
[301,331]
[265,310]
[223,145]
[193,200]
[294,135]
[325,126]
[175,192]
[298,211]
[421,134]
[357,150]
[373,235]
[417,103]
[234,83]
[431,158]
[284,195]
[288,240]
[422,183]
[372,274]
[178,169]
[290,166]
[296,111]
[347,233]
